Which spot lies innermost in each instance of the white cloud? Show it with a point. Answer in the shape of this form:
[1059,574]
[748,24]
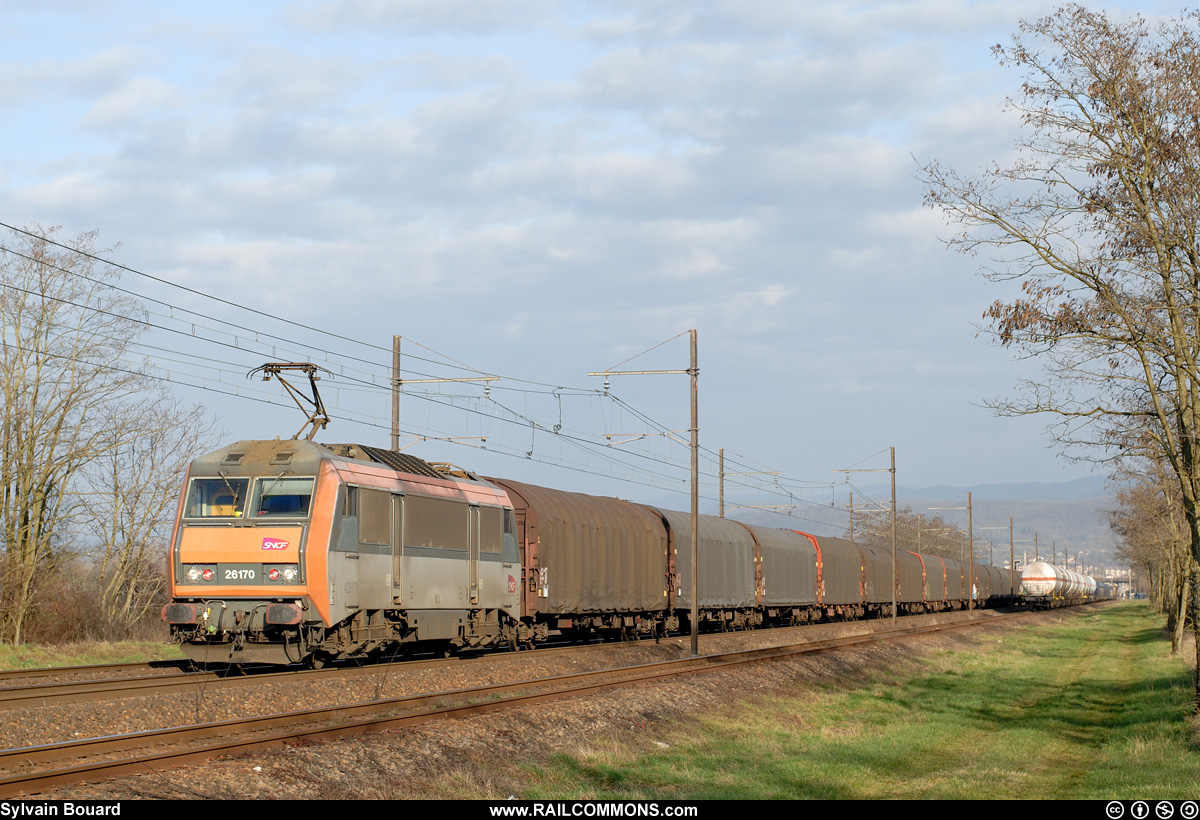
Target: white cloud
[139,98]
[444,72]
[424,16]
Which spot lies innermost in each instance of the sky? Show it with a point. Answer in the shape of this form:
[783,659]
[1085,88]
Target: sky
[538,190]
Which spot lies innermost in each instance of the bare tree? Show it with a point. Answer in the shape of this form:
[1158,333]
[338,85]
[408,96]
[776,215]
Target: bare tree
[1098,219]
[128,499]
[64,335]
[89,442]
[1150,522]
[929,534]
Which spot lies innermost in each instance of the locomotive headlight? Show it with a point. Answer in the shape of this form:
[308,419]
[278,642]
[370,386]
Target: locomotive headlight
[198,573]
[284,573]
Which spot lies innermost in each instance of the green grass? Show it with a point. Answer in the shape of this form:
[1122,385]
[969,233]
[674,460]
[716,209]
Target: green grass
[30,656]
[1090,707]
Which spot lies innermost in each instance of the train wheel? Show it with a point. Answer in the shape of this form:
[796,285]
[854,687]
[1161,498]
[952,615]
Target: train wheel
[318,660]
[509,634]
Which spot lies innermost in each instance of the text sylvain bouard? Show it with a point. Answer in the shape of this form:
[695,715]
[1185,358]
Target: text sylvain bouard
[56,809]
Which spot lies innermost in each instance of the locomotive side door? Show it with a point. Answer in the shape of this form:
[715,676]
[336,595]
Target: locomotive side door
[473,554]
[397,547]
[375,568]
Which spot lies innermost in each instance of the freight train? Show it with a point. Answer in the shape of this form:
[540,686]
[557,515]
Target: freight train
[291,551]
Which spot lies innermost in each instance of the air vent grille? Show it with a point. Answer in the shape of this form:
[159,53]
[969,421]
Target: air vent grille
[401,462]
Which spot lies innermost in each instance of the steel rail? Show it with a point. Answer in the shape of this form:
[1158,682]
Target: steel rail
[49,694]
[91,669]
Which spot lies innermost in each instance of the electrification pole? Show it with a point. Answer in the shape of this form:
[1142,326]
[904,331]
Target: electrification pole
[395,394]
[721,483]
[398,383]
[892,470]
[694,372]
[971,557]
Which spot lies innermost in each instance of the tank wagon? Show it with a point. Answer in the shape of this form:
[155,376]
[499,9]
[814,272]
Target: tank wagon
[1045,585]
[288,551]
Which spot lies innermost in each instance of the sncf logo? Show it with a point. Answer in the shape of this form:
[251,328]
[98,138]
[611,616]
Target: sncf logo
[512,584]
[274,544]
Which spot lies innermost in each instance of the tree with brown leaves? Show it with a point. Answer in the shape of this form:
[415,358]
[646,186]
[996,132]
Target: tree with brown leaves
[1098,219]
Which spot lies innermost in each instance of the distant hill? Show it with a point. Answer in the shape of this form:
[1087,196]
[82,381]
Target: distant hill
[1086,487]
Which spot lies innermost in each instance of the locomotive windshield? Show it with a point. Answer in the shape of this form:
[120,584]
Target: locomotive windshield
[216,498]
[281,496]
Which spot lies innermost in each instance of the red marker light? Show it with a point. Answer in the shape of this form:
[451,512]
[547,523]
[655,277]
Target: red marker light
[207,575]
[273,574]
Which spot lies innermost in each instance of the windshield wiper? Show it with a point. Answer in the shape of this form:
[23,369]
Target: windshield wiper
[232,491]
[267,491]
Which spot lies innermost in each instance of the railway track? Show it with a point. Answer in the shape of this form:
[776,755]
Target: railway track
[20,677]
[32,770]
[49,694]
[74,691]
[24,695]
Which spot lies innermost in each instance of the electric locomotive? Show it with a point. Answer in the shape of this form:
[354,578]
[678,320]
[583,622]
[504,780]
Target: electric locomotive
[283,551]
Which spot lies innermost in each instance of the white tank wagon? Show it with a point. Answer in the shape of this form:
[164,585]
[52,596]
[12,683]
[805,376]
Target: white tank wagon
[1045,585]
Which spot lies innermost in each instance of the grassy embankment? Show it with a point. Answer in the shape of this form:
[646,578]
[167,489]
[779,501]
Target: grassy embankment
[32,656]
[1088,707]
